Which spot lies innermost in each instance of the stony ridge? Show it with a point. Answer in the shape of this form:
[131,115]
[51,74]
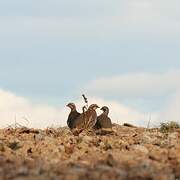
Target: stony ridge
[128,153]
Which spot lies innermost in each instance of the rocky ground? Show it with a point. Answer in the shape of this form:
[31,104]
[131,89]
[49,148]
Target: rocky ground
[128,153]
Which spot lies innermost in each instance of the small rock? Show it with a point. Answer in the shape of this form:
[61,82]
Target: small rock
[29,151]
[23,171]
[61,148]
[101,144]
[173,135]
[69,149]
[140,148]
[147,139]
[2,149]
[129,125]
[14,145]
[87,139]
[109,161]
[39,137]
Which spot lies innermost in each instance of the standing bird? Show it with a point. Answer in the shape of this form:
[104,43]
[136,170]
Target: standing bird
[73,115]
[103,121]
[87,119]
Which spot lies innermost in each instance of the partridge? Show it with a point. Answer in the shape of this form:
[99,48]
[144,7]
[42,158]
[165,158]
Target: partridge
[103,121]
[88,118]
[73,115]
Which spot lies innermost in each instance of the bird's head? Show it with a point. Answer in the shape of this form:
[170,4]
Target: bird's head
[93,107]
[72,106]
[105,109]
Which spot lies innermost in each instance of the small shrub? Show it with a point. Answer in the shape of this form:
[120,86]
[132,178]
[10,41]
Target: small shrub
[169,126]
[14,145]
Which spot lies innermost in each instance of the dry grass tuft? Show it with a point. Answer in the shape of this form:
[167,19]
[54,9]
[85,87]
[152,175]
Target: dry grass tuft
[169,126]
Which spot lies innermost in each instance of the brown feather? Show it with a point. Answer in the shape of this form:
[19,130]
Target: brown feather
[103,121]
[73,115]
[88,119]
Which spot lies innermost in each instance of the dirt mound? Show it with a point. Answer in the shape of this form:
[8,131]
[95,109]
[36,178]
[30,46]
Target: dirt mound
[128,153]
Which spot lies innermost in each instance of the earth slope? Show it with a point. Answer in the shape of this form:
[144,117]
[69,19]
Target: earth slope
[128,153]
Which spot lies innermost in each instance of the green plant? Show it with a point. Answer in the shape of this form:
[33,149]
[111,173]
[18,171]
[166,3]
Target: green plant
[169,126]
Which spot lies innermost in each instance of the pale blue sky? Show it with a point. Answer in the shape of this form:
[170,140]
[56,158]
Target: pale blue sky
[50,50]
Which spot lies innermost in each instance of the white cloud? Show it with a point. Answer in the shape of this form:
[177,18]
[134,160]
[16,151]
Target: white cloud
[14,107]
[171,112]
[120,113]
[42,116]
[143,86]
[137,85]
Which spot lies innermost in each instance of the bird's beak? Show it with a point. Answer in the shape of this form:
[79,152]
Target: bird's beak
[101,109]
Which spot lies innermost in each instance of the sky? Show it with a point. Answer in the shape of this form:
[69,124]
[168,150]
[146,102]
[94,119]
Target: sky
[121,53]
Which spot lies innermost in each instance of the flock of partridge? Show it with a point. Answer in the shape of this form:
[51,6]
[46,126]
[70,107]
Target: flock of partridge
[88,119]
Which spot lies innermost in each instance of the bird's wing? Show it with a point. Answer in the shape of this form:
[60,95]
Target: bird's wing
[98,125]
[99,119]
[72,118]
[80,121]
[91,121]
[109,122]
[104,121]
